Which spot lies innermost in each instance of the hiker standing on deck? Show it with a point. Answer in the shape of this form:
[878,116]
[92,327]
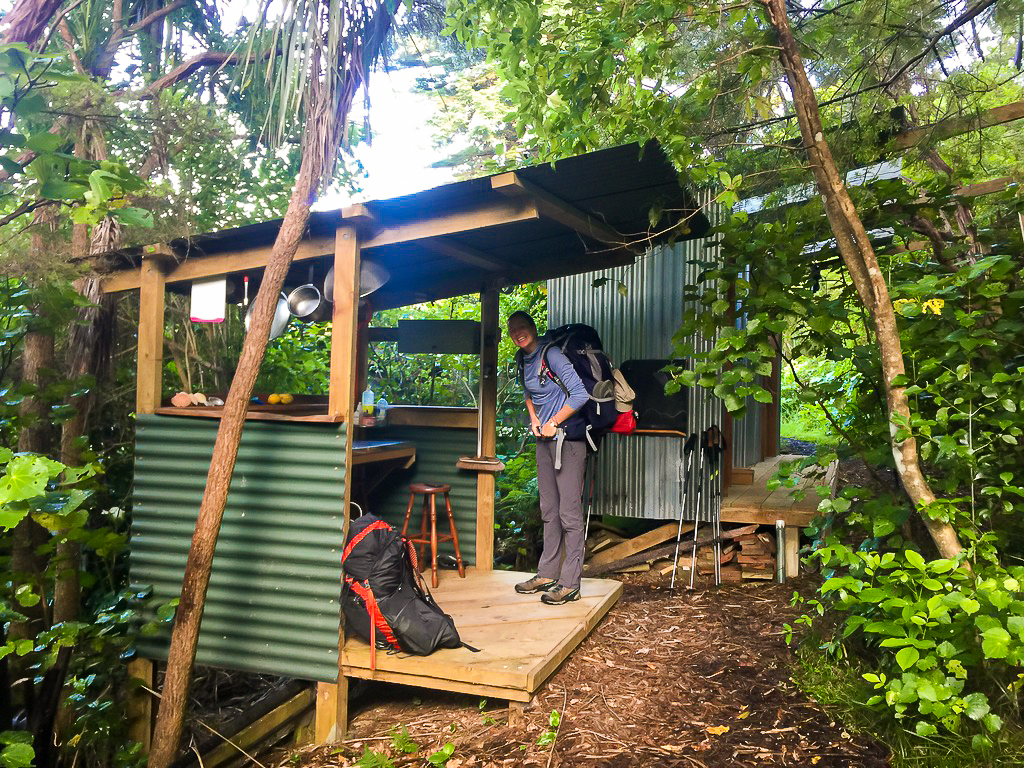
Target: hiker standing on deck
[560,463]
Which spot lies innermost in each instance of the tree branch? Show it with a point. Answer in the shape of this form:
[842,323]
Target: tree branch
[156,15]
[187,68]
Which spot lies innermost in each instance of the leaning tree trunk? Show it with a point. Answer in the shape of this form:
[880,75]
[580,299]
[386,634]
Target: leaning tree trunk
[862,264]
[198,567]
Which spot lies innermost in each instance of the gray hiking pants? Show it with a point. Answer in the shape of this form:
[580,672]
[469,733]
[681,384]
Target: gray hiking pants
[561,511]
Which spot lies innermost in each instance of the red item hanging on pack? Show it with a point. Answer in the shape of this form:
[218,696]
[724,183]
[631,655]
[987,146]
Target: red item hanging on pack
[625,424]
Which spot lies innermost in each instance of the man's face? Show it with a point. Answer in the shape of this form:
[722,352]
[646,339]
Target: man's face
[521,333]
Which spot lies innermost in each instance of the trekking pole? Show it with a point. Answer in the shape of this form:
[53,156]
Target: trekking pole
[714,443]
[696,517]
[691,441]
[589,472]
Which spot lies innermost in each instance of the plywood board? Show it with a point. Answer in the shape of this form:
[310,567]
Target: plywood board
[521,641]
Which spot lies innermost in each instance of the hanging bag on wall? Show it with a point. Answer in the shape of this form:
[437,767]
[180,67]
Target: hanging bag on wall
[384,597]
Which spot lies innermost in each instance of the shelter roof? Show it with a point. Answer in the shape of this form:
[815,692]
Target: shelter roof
[581,214]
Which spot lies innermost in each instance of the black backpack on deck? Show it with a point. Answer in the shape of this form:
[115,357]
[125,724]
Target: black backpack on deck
[384,598]
[582,347]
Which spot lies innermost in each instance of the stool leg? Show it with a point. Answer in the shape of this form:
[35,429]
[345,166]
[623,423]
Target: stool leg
[408,512]
[422,542]
[433,539]
[455,536]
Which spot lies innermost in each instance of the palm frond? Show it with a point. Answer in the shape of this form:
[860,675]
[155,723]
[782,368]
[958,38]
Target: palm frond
[315,55]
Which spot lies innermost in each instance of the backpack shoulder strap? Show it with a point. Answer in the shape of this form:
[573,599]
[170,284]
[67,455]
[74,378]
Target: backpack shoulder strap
[545,368]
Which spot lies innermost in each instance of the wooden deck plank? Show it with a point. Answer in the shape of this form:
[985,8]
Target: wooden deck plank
[756,504]
[521,641]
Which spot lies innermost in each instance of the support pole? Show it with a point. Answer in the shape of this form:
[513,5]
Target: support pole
[487,426]
[151,336]
[332,698]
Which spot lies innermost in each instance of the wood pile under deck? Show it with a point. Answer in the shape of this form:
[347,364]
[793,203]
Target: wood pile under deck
[521,640]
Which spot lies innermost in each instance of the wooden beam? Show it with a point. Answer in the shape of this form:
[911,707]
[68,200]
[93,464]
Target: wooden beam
[487,426]
[632,546]
[341,398]
[150,358]
[341,393]
[432,416]
[359,215]
[792,549]
[491,214]
[463,253]
[140,703]
[553,208]
[162,253]
[956,126]
[380,333]
[198,267]
[248,740]
[325,724]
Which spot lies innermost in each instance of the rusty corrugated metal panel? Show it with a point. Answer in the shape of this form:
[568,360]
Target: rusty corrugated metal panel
[437,450]
[641,476]
[273,603]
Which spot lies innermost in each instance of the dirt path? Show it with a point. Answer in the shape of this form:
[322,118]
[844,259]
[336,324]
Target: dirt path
[686,679]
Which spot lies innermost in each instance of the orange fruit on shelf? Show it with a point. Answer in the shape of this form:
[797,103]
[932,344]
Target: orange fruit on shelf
[274,399]
[286,398]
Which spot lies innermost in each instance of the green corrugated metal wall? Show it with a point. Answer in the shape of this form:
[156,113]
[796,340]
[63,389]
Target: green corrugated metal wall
[273,604]
[437,450]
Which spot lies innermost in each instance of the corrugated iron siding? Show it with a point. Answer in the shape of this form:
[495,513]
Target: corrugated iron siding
[273,603]
[641,476]
[437,450]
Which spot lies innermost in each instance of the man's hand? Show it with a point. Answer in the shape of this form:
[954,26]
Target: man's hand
[548,430]
[535,429]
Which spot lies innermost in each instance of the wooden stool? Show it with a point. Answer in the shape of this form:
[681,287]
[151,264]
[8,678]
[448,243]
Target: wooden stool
[429,493]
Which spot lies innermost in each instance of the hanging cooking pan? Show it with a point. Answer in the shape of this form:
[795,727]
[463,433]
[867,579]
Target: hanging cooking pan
[371,277]
[281,317]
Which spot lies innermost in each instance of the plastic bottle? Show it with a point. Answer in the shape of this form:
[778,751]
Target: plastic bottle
[382,411]
[367,401]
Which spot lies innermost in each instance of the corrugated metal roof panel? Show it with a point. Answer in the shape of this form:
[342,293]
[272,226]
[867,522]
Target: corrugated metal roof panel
[273,604]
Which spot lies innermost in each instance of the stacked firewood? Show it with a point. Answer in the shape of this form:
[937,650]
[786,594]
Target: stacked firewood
[746,553]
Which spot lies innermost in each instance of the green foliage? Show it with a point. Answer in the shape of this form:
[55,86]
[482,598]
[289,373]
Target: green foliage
[400,741]
[17,749]
[518,535]
[944,640]
[443,755]
[547,738]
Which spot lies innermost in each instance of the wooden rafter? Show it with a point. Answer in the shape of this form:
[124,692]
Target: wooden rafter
[552,207]
[487,215]
[463,253]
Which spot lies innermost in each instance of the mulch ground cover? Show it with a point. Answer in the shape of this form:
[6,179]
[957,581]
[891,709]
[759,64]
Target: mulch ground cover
[696,678]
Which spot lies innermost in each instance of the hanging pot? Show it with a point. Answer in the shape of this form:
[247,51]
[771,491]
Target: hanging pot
[281,317]
[371,277]
[307,304]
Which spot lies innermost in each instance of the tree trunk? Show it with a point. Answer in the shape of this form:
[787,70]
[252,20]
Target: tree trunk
[862,264]
[196,580]
[27,20]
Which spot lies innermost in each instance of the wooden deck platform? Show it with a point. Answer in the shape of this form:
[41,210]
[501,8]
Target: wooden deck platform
[754,503]
[521,640]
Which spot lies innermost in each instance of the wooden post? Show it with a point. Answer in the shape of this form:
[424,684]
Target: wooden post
[328,710]
[770,412]
[792,546]
[332,698]
[341,395]
[151,336]
[487,426]
[140,704]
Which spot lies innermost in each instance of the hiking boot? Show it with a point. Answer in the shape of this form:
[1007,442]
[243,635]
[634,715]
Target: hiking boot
[560,595]
[536,584]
